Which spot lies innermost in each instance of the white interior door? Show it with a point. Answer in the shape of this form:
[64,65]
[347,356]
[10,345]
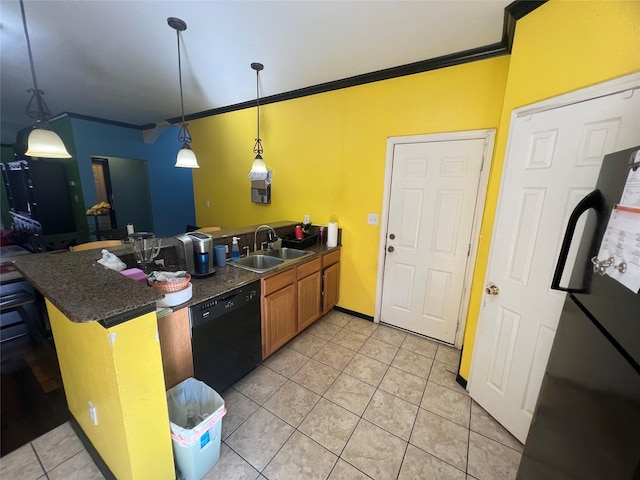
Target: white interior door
[553,160]
[434,188]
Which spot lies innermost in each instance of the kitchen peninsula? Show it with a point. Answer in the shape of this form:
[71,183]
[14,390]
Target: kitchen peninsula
[105,330]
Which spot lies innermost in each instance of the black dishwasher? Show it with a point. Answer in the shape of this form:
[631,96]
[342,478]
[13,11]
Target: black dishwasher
[226,336]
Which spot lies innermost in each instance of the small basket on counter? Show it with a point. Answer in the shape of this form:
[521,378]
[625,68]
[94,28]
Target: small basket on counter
[169,282]
[306,241]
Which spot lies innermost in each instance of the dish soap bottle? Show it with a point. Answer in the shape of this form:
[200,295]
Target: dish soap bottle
[235,249]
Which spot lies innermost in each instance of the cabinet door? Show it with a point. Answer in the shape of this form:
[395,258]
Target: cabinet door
[309,300]
[174,332]
[279,317]
[331,287]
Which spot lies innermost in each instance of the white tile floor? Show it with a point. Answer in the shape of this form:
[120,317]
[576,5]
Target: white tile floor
[346,399]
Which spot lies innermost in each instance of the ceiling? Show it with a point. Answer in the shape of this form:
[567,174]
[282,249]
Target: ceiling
[118,60]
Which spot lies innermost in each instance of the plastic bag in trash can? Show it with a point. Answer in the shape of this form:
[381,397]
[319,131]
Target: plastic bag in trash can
[194,408]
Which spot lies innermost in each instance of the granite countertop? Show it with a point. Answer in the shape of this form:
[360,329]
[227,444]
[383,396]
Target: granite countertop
[85,291]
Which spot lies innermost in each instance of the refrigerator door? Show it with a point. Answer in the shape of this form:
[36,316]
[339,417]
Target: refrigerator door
[607,301]
[587,421]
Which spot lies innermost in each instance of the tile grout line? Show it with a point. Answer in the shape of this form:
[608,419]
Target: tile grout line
[322,396]
[35,452]
[289,377]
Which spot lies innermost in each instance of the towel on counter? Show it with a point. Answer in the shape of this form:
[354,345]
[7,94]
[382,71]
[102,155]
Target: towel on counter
[167,276]
[111,261]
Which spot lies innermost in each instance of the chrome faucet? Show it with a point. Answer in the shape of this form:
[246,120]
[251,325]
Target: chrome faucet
[255,235]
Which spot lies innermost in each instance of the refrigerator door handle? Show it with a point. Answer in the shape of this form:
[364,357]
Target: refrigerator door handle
[594,200]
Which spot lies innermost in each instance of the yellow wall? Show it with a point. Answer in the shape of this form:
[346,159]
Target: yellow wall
[125,384]
[560,47]
[327,153]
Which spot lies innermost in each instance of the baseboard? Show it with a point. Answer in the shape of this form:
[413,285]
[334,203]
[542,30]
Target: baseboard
[353,313]
[93,453]
[460,379]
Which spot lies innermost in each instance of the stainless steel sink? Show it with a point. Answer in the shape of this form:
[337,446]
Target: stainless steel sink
[287,253]
[257,263]
[265,260]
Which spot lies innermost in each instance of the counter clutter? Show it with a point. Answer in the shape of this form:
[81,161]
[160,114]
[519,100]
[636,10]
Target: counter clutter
[85,291]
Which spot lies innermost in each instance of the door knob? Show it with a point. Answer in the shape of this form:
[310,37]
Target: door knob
[390,249]
[492,290]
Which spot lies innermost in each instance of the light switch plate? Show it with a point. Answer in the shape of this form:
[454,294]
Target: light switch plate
[372,219]
[93,413]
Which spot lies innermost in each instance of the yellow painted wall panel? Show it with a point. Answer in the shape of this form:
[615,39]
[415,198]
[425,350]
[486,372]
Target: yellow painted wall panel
[328,154]
[560,47]
[138,363]
[125,384]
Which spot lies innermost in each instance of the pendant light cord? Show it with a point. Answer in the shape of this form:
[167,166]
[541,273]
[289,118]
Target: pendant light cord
[258,98]
[180,75]
[257,148]
[183,135]
[42,113]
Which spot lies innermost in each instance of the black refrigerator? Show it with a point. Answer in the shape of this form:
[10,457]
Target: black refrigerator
[586,424]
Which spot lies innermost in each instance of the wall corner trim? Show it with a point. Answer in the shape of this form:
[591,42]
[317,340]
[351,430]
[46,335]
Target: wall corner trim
[512,13]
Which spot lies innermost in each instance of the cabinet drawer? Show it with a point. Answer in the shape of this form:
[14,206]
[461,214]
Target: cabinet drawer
[308,268]
[331,258]
[279,280]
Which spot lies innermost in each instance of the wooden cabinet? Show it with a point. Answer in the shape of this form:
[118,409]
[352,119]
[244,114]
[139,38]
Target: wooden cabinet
[309,293]
[292,300]
[279,322]
[174,333]
[330,280]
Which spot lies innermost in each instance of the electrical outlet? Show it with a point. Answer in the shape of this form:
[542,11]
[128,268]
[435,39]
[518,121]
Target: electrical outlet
[372,219]
[306,219]
[93,413]
[207,204]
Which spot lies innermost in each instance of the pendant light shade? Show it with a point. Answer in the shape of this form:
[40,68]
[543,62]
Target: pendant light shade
[42,141]
[46,144]
[258,165]
[186,157]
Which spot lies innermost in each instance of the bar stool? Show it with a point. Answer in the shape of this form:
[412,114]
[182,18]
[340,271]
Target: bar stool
[15,301]
[98,244]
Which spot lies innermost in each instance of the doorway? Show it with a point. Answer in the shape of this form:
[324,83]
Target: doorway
[435,187]
[554,152]
[104,193]
[125,183]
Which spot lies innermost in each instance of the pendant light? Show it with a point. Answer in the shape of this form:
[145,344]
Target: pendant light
[258,168]
[186,158]
[42,141]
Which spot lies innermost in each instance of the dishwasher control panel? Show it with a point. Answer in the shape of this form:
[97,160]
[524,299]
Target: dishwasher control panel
[225,303]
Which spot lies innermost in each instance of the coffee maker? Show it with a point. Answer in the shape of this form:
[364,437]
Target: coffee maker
[195,253]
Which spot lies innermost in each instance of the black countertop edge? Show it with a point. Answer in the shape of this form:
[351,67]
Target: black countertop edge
[129,315]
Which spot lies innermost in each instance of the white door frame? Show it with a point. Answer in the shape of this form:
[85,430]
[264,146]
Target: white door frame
[489,138]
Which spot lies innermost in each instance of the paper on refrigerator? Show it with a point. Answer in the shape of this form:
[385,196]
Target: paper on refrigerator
[621,241]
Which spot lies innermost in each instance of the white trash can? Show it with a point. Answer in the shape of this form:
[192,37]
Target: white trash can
[195,417]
